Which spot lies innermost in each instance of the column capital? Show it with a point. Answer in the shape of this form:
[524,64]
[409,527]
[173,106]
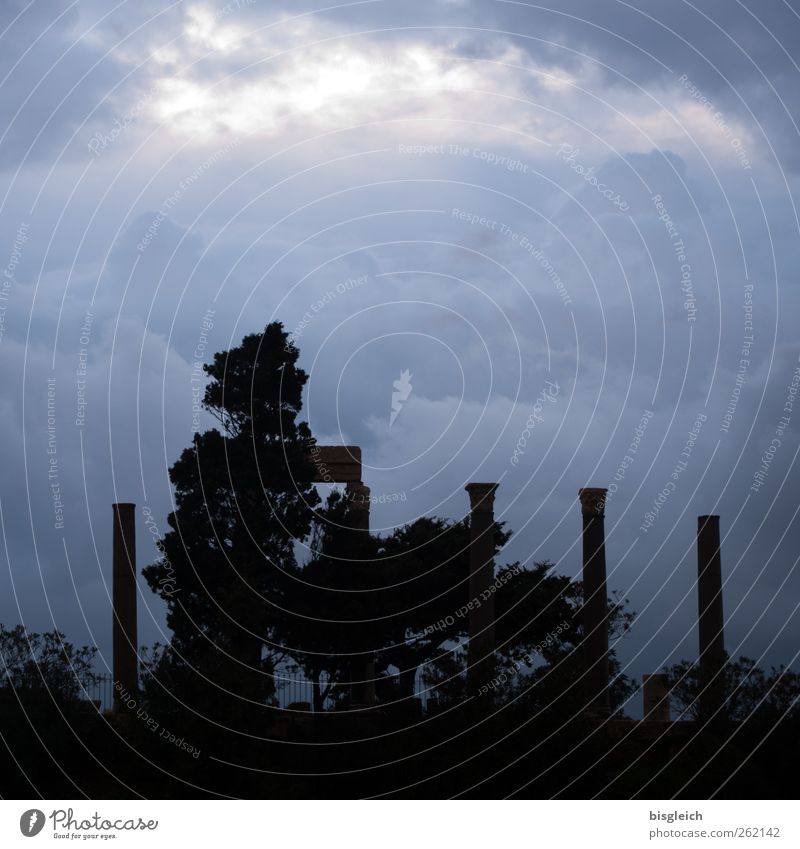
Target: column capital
[481,496]
[711,519]
[593,500]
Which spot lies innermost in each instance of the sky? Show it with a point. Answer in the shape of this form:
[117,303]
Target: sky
[571,226]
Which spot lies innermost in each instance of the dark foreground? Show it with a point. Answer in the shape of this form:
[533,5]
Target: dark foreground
[76,752]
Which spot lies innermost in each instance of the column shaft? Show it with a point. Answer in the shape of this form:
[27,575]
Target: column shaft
[710,620]
[362,669]
[481,576]
[595,599]
[124,627]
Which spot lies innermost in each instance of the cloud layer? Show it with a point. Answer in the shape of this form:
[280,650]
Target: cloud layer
[495,197]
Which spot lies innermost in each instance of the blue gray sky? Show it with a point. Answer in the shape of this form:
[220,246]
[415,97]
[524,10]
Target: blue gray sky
[594,201]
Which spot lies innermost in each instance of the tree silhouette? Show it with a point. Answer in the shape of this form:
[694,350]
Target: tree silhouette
[243,495]
[750,693]
[43,666]
[402,600]
[331,622]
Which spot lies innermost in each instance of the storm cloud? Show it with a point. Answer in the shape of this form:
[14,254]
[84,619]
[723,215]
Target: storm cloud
[496,197]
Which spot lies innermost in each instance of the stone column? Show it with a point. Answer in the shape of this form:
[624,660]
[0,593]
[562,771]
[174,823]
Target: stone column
[655,695]
[362,690]
[357,496]
[595,599]
[481,666]
[124,629]
[710,620]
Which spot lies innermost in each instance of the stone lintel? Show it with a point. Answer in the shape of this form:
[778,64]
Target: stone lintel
[335,463]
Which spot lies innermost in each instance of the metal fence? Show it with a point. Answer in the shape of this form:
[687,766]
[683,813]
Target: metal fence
[98,688]
[291,686]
